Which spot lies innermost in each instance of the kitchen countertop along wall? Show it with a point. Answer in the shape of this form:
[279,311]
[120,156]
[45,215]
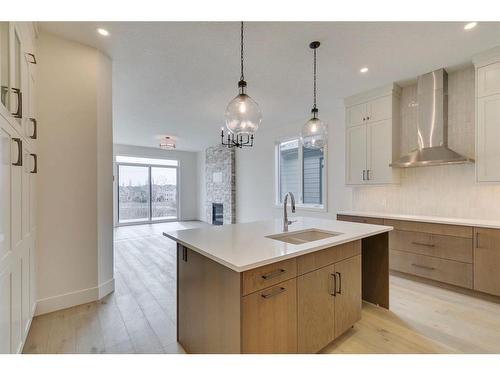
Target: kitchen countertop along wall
[448,190]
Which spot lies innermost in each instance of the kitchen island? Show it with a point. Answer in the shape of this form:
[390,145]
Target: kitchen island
[252,288]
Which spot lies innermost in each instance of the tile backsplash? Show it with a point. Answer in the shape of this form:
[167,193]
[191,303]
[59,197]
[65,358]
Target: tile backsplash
[448,190]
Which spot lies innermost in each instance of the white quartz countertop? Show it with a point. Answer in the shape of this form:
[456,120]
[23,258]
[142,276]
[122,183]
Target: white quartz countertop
[242,247]
[480,223]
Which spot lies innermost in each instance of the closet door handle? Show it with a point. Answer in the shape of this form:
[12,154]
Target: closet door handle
[31,58]
[19,112]
[35,128]
[334,286]
[35,167]
[340,282]
[19,162]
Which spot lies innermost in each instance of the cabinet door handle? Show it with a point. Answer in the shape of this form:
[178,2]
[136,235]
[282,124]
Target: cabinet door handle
[275,292]
[184,254]
[333,291]
[424,267]
[273,274]
[423,244]
[368,117]
[477,241]
[340,283]
[35,128]
[19,112]
[364,171]
[19,162]
[368,174]
[364,119]
[35,167]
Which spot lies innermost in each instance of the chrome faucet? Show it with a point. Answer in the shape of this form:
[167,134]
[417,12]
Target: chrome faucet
[287,222]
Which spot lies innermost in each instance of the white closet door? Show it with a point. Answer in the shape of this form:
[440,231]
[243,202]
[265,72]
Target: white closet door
[356,154]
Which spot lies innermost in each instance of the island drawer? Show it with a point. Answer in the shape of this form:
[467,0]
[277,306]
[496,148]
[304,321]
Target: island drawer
[443,229]
[446,247]
[361,219]
[313,261]
[447,271]
[268,275]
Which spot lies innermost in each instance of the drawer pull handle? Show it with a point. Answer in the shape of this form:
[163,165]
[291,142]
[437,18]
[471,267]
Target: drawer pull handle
[424,244]
[276,273]
[334,288]
[275,292]
[424,267]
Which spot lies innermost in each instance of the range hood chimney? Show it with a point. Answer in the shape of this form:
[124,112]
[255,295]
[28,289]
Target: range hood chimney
[432,126]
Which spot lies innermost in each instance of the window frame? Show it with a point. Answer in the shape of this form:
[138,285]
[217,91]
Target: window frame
[299,201]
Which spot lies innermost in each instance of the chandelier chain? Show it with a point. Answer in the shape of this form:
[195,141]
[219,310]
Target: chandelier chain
[242,77]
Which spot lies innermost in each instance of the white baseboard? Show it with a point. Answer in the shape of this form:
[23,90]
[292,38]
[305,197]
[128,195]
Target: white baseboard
[106,288]
[79,297]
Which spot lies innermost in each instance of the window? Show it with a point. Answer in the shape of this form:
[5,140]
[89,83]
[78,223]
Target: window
[146,192]
[301,171]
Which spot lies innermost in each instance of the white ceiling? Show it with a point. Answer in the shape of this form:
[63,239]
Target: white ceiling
[176,78]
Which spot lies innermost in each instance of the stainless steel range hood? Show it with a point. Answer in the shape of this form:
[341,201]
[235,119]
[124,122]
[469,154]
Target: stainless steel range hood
[432,125]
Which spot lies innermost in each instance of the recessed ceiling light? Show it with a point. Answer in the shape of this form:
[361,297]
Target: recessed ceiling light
[363,70]
[103,32]
[470,25]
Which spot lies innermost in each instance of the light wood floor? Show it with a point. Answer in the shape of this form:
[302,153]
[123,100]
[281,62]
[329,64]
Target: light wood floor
[139,317]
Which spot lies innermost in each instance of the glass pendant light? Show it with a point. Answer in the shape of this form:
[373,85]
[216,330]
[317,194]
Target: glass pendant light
[243,115]
[314,133]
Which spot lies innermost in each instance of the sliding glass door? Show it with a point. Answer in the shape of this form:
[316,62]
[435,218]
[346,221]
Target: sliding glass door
[133,193]
[147,193]
[163,193]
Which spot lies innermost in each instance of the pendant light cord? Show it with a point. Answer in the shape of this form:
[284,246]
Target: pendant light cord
[314,79]
[242,77]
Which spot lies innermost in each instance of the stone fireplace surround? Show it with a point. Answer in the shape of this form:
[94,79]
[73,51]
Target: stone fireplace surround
[220,179]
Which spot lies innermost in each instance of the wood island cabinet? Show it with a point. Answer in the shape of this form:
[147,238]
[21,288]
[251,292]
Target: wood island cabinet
[298,305]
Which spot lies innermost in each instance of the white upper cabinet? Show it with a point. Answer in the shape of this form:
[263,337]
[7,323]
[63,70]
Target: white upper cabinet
[488,139]
[356,161]
[357,114]
[487,67]
[372,136]
[488,80]
[380,109]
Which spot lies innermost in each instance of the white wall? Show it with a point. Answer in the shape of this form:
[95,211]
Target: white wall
[188,175]
[75,246]
[255,169]
[448,190]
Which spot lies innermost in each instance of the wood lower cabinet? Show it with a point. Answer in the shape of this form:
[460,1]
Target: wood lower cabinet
[304,313]
[269,319]
[348,294]
[461,255]
[329,303]
[316,309]
[487,260]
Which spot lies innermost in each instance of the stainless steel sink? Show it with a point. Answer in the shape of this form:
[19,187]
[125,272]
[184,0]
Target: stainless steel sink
[303,236]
